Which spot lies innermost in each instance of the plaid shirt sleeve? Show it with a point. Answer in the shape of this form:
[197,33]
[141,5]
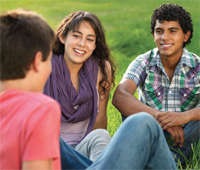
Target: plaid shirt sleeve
[136,71]
[198,75]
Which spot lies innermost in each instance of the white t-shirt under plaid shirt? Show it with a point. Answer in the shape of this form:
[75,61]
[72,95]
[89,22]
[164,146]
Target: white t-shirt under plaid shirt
[154,87]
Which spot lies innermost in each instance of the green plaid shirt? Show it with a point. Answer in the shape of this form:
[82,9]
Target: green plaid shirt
[154,87]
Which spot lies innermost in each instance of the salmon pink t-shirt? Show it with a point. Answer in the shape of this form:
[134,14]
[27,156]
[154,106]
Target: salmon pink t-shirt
[29,129]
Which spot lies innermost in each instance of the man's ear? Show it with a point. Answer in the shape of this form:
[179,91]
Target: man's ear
[36,62]
[187,36]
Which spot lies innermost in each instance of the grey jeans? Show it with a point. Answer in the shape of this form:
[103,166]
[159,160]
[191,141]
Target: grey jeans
[94,144]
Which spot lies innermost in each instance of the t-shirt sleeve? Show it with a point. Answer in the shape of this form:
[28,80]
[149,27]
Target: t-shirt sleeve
[136,70]
[41,133]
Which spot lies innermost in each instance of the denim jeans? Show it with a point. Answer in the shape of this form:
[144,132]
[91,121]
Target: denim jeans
[71,159]
[138,144]
[191,136]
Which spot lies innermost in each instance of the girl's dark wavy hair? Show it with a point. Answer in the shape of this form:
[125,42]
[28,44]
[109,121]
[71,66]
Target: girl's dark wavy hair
[173,12]
[101,52]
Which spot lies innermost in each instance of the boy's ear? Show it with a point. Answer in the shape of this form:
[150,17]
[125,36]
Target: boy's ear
[36,62]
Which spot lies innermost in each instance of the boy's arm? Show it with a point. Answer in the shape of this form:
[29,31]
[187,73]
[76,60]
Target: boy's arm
[36,165]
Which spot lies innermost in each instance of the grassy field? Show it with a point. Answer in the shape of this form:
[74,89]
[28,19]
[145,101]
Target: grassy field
[127,27]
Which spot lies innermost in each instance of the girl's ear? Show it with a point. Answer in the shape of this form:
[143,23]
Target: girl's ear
[61,39]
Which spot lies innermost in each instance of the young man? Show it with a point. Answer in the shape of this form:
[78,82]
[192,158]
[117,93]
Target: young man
[167,78]
[30,121]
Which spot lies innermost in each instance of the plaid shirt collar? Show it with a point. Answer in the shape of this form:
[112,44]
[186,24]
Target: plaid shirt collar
[186,59]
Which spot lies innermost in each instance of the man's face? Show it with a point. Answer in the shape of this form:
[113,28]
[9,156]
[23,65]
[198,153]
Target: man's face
[169,38]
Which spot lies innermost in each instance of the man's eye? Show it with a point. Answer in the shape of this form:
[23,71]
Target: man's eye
[173,30]
[158,31]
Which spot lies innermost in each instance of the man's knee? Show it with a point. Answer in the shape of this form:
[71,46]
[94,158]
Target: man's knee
[142,120]
[142,117]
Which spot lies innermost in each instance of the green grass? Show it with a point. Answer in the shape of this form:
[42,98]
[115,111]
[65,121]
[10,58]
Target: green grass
[127,26]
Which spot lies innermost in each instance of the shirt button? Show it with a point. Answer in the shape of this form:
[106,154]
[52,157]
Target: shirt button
[158,93]
[185,95]
[170,92]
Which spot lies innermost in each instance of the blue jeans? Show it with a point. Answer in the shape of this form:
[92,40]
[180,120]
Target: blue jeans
[138,144]
[71,159]
[191,136]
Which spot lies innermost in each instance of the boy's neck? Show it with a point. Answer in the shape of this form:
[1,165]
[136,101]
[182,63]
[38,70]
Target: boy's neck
[18,84]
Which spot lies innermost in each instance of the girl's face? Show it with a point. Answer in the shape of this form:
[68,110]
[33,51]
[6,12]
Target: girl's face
[79,44]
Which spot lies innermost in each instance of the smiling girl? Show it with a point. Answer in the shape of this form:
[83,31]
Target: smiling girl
[81,78]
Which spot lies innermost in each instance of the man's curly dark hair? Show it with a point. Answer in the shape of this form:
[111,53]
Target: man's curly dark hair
[173,12]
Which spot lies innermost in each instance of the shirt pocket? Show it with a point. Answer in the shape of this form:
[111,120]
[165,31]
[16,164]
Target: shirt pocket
[153,95]
[190,96]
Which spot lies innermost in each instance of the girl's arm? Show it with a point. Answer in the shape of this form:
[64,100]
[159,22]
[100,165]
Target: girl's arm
[101,120]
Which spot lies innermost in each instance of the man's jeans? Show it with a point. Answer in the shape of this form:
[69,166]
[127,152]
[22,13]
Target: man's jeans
[138,144]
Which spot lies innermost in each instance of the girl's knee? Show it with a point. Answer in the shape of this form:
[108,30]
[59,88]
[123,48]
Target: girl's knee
[100,134]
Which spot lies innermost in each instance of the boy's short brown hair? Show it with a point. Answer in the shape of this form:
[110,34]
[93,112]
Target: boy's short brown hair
[22,34]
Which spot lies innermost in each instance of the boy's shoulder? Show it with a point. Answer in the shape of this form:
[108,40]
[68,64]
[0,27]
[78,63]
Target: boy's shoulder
[26,97]
[22,109]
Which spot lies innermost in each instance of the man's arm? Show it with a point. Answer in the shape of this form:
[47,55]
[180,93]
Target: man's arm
[177,135]
[194,114]
[126,103]
[37,165]
[170,119]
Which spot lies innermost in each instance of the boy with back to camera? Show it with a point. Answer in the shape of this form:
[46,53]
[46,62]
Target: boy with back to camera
[29,120]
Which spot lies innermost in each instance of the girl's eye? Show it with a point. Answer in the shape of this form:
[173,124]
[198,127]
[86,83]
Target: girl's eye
[75,35]
[91,40]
